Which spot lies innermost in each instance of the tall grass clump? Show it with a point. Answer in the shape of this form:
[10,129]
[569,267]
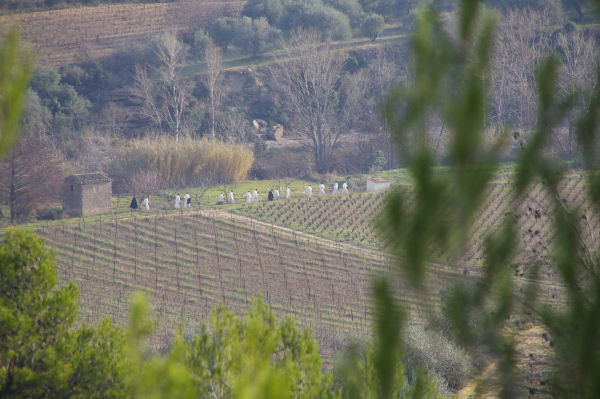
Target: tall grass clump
[185,162]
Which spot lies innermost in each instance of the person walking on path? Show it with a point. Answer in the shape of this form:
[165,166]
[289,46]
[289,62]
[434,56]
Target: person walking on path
[276,194]
[248,197]
[221,200]
[308,192]
[134,205]
[344,188]
[186,200]
[146,203]
[255,195]
[335,189]
[321,190]
[177,201]
[270,196]
[288,193]
[230,199]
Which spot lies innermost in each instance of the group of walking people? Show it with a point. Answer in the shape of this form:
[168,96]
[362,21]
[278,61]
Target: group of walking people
[187,201]
[321,192]
[249,197]
[274,195]
[145,205]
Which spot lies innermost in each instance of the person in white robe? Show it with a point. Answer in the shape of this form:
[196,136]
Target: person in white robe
[248,197]
[288,193]
[308,192]
[177,201]
[344,188]
[321,190]
[221,200]
[335,189]
[255,196]
[146,204]
[230,199]
[186,198]
[276,194]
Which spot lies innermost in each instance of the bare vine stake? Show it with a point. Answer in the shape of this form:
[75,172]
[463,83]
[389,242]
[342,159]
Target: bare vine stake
[115,254]
[93,252]
[262,271]
[155,257]
[135,253]
[177,263]
[280,256]
[197,261]
[237,250]
[73,254]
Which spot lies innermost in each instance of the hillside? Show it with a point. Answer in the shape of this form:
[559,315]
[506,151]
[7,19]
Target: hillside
[64,36]
[188,262]
[310,259]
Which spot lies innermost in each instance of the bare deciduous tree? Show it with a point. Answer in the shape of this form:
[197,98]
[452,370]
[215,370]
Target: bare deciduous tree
[143,182]
[522,42]
[383,71]
[308,77]
[164,98]
[234,127]
[213,79]
[31,175]
[579,61]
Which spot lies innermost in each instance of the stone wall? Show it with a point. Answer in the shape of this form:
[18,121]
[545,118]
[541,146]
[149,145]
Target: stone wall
[72,199]
[96,198]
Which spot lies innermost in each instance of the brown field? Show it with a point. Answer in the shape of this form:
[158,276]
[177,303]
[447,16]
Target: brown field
[64,36]
[189,262]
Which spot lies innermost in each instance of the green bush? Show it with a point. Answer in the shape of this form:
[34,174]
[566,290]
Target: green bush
[270,9]
[332,23]
[372,26]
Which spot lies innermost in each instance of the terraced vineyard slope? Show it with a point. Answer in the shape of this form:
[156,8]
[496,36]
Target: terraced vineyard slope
[344,218]
[64,36]
[188,263]
[349,218]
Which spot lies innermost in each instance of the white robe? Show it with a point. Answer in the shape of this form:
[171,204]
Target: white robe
[221,198]
[146,204]
[185,200]
[344,188]
[254,196]
[230,199]
[248,197]
[321,190]
[335,189]
[177,202]
[288,193]
[308,192]
[276,194]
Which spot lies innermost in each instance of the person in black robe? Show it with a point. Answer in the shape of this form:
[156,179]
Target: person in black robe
[270,197]
[134,204]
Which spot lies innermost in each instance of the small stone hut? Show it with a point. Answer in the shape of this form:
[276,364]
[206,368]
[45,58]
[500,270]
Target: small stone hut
[87,194]
[377,184]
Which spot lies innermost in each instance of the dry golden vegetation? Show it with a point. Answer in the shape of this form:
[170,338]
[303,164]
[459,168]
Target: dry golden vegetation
[186,162]
[63,36]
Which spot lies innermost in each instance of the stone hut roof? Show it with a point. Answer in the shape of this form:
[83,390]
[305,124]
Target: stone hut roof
[378,180]
[88,178]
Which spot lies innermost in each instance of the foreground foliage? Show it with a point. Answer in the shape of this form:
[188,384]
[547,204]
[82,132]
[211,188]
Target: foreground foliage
[41,354]
[449,80]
